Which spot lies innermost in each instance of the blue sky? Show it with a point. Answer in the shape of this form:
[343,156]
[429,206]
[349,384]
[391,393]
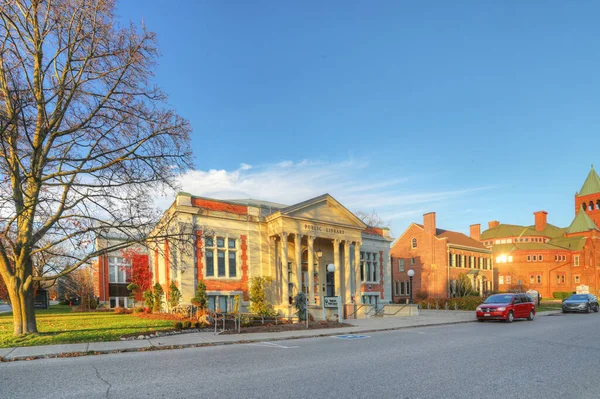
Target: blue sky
[477,110]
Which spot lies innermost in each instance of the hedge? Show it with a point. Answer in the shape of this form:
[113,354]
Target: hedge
[561,294]
[462,303]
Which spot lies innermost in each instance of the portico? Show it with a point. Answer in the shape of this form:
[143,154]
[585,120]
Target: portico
[305,239]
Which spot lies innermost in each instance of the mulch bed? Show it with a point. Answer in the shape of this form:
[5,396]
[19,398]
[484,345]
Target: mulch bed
[160,316]
[313,325]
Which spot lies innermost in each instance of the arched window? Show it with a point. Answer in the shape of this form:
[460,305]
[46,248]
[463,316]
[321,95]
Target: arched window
[591,207]
[598,204]
[584,206]
[414,243]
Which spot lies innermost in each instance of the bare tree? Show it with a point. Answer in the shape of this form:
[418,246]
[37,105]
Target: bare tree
[86,140]
[371,219]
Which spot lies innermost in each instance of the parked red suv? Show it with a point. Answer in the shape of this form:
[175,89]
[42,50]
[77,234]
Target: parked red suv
[506,307]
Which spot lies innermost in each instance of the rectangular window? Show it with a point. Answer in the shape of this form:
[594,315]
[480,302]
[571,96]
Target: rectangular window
[408,288]
[531,279]
[232,265]
[540,258]
[220,242]
[577,279]
[412,261]
[510,259]
[508,279]
[400,265]
[539,278]
[210,263]
[576,260]
[528,258]
[221,263]
[209,242]
[401,287]
[231,243]
[500,279]
[450,263]
[562,278]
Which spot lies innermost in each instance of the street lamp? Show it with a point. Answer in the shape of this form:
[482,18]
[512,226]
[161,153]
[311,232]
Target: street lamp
[411,274]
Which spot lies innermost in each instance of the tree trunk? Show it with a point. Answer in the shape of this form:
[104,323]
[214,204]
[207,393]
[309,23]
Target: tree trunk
[22,306]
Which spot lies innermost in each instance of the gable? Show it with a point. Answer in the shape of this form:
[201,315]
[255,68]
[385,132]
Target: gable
[323,209]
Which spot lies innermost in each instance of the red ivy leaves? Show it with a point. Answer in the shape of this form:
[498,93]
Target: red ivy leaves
[139,273]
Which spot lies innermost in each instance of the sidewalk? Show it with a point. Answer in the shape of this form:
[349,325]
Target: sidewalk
[188,340]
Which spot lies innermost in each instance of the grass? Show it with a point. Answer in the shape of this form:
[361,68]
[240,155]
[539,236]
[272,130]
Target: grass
[549,304]
[59,325]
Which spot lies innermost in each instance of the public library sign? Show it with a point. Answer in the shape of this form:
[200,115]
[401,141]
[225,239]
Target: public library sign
[317,228]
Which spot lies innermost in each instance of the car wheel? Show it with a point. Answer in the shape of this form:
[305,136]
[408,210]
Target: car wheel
[588,309]
[531,315]
[597,308]
[510,317]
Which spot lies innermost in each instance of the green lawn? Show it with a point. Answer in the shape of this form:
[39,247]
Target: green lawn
[59,325]
[549,304]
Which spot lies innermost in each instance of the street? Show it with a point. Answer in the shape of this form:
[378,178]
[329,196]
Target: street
[553,356]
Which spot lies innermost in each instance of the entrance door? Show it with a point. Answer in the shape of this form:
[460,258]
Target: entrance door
[330,284]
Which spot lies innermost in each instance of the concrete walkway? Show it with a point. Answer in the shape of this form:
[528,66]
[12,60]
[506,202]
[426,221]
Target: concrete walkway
[187,340]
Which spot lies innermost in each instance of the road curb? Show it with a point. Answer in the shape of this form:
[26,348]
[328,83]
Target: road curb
[204,344]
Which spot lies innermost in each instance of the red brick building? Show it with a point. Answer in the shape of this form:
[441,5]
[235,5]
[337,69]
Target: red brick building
[438,257]
[547,258]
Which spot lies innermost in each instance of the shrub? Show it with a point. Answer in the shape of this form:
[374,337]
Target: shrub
[187,324]
[301,305]
[197,324]
[200,300]
[138,309]
[259,303]
[158,294]
[178,325]
[421,294]
[174,295]
[120,310]
[561,294]
[149,299]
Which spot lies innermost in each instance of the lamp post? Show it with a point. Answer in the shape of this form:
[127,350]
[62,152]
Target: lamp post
[411,274]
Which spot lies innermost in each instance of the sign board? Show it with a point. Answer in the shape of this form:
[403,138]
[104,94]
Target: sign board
[41,300]
[582,289]
[331,302]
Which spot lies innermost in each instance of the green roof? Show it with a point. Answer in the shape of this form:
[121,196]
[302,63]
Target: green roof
[512,230]
[581,223]
[572,243]
[591,184]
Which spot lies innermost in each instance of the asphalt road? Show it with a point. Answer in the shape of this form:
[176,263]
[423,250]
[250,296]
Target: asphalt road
[551,357]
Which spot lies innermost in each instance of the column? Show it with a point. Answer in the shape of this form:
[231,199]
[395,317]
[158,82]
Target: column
[285,292]
[357,284]
[298,250]
[347,273]
[311,270]
[336,262]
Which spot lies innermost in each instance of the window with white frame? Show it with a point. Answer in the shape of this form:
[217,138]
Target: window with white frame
[508,279]
[576,260]
[368,266]
[500,279]
[118,269]
[577,279]
[221,257]
[400,265]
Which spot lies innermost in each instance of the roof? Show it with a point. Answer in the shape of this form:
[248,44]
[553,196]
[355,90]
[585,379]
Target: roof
[556,244]
[513,230]
[591,184]
[581,223]
[456,238]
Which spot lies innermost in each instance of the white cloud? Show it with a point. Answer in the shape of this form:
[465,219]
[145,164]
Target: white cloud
[349,181]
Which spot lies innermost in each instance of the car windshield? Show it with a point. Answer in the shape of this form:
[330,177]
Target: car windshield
[499,299]
[578,298]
